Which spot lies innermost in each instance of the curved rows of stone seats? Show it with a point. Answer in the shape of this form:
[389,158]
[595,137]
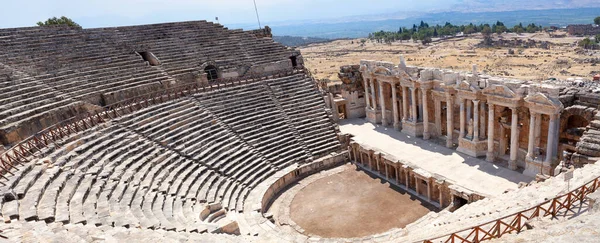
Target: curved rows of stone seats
[193,133]
[250,112]
[59,72]
[304,108]
[177,166]
[201,39]
[57,232]
[112,176]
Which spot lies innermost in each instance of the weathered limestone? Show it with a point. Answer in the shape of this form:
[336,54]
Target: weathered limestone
[514,139]
[382,104]
[395,108]
[491,113]
[449,120]
[158,167]
[80,70]
[426,134]
[490,156]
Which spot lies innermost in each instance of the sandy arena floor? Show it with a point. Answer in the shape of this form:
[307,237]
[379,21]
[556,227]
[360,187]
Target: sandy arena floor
[353,203]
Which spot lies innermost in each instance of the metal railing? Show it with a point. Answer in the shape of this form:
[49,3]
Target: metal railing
[517,222]
[21,152]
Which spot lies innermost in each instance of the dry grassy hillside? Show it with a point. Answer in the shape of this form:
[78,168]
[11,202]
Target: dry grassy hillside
[562,60]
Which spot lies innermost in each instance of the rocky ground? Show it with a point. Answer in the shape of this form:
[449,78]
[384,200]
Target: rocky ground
[563,59]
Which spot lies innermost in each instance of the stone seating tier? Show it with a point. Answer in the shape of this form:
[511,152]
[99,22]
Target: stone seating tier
[162,166]
[57,67]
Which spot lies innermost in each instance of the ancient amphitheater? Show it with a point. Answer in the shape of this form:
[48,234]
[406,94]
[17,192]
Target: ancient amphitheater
[192,132]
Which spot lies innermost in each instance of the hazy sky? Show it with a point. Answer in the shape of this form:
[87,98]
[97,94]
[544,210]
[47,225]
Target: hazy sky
[95,13]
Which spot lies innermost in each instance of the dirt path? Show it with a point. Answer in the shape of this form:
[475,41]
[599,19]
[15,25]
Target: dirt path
[353,204]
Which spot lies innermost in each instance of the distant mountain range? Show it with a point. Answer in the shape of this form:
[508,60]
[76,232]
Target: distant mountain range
[465,13]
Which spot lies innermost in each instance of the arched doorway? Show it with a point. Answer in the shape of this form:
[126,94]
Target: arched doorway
[211,72]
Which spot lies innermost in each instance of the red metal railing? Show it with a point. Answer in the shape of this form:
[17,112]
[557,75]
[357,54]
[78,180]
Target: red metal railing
[516,222]
[20,153]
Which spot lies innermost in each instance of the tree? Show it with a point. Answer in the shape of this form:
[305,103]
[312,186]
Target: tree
[597,20]
[518,28]
[59,21]
[500,29]
[587,43]
[597,38]
[486,31]
[469,29]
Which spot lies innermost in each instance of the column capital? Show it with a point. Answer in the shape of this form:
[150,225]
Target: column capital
[533,113]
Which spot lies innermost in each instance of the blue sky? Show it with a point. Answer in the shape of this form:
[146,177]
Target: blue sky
[95,13]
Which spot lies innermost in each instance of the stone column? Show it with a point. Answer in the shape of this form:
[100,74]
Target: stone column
[490,136]
[475,120]
[469,113]
[413,94]
[551,146]
[514,139]
[428,191]
[417,185]
[387,176]
[361,157]
[462,119]
[419,114]
[426,134]
[382,105]
[438,117]
[531,141]
[404,103]
[367,100]
[449,120]
[395,107]
[397,177]
[440,196]
[538,129]
[373,103]
[406,180]
[482,118]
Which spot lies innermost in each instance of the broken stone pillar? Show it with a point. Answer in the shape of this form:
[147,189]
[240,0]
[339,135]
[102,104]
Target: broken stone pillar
[402,64]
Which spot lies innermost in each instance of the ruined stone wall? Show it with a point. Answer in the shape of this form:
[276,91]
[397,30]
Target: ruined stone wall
[355,106]
[583,29]
[262,33]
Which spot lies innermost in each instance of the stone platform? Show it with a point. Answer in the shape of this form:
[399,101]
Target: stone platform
[475,174]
